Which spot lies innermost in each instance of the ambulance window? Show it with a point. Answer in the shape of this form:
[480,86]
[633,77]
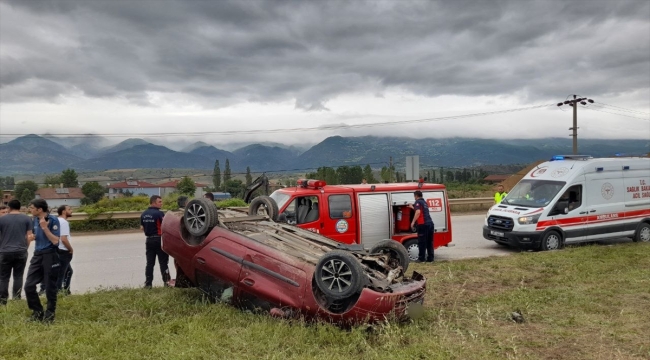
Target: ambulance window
[572,197]
[340,206]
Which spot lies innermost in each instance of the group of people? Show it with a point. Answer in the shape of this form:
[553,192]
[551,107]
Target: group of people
[50,263]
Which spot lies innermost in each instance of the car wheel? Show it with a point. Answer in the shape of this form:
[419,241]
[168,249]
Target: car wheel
[398,254]
[642,233]
[339,275]
[200,216]
[264,205]
[412,249]
[552,240]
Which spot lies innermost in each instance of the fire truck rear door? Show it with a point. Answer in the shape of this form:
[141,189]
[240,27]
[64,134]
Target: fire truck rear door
[374,218]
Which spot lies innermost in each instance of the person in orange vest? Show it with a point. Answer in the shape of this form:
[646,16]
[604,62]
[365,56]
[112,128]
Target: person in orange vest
[500,194]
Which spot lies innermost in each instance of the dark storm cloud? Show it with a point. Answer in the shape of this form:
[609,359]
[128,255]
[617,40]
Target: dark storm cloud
[221,53]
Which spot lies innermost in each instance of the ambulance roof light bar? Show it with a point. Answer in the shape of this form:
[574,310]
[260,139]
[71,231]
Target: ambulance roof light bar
[571,157]
[311,184]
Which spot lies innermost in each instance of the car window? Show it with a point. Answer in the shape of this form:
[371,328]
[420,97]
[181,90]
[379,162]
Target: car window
[340,206]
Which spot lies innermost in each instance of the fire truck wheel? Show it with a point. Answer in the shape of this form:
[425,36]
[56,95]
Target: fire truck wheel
[412,249]
[397,252]
[264,205]
[552,240]
[182,281]
[338,275]
[642,233]
[200,216]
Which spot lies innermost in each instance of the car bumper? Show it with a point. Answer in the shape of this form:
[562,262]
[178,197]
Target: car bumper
[375,306]
[522,239]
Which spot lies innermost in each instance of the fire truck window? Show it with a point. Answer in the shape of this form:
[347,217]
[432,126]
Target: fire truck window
[340,206]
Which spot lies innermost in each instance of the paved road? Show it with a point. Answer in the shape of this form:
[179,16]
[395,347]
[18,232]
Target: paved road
[117,260]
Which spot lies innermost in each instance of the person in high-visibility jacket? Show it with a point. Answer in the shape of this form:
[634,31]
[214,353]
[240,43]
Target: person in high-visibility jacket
[499,195]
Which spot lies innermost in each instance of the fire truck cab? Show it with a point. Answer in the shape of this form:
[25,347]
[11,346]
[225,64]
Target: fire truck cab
[364,214]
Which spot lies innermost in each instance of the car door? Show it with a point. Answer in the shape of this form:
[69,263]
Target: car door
[269,279]
[217,267]
[574,222]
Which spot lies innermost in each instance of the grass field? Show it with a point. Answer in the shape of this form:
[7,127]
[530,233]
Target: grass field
[585,302]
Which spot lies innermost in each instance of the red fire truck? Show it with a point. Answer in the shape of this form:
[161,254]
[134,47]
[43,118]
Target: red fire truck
[359,214]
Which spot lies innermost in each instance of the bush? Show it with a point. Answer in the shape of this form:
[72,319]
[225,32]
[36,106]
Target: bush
[104,225]
[234,202]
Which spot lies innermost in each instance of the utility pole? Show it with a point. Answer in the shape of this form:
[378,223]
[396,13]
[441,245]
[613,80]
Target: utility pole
[390,170]
[574,103]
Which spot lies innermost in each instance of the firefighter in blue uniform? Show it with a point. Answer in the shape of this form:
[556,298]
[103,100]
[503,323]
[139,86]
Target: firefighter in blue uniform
[151,224]
[422,219]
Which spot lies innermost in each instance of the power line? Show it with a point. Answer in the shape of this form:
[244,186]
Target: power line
[623,109]
[317,128]
[614,113]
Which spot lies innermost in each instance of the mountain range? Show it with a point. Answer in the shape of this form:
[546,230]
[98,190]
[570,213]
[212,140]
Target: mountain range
[49,154]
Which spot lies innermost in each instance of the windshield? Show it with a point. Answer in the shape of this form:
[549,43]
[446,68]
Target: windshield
[533,193]
[280,198]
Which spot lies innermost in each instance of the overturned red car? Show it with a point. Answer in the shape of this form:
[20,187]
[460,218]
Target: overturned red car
[254,263]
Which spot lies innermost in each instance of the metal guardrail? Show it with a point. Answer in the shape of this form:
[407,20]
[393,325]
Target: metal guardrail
[136,214]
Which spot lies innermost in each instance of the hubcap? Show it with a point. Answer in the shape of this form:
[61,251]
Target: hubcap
[413,251]
[337,275]
[261,210]
[196,216]
[553,242]
[645,234]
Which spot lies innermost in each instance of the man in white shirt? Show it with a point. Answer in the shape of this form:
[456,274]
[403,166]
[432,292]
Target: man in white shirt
[65,250]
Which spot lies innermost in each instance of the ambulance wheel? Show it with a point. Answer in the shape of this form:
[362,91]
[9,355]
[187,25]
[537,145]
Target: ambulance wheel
[398,256]
[552,240]
[264,205]
[200,216]
[642,233]
[339,275]
[412,249]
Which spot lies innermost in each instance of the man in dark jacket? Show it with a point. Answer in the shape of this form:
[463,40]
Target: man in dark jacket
[422,219]
[44,266]
[151,224]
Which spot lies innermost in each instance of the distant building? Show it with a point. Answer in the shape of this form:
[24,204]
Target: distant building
[493,179]
[133,186]
[170,186]
[56,197]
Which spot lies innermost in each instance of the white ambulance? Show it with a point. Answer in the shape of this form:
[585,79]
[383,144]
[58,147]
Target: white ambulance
[574,198]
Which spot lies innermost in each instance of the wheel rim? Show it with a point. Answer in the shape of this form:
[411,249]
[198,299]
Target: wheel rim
[261,210]
[413,251]
[196,218]
[337,275]
[644,234]
[552,242]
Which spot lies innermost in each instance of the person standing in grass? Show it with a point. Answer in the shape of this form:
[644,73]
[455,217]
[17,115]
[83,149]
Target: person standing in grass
[15,231]
[151,224]
[65,250]
[44,266]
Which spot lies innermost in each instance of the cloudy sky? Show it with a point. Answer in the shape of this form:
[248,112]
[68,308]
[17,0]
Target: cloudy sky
[240,71]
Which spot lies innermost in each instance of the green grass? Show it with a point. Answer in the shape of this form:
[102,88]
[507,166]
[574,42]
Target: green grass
[586,302]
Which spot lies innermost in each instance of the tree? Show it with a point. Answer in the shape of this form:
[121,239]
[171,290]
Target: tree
[249,177]
[367,174]
[25,191]
[226,171]
[52,180]
[327,174]
[186,186]
[7,183]
[387,174]
[69,178]
[216,175]
[93,192]
[234,186]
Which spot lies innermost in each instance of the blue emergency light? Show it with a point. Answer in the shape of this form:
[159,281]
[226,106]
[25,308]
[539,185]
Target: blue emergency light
[570,157]
[557,157]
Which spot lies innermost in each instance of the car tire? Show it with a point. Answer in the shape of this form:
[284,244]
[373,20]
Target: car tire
[552,240]
[412,249]
[200,216]
[338,274]
[264,205]
[399,255]
[642,233]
